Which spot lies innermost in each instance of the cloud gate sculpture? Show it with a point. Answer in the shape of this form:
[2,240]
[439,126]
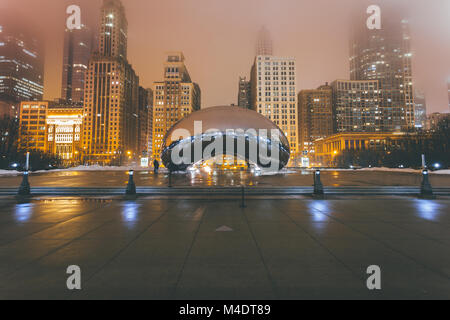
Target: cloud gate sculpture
[226,130]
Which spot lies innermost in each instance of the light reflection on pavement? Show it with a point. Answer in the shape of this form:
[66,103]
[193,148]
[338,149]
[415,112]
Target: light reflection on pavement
[200,178]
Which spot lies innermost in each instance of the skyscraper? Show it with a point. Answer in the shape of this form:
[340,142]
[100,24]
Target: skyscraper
[150,123]
[315,111]
[273,82]
[78,46]
[143,121]
[173,99]
[21,64]
[420,111]
[357,106]
[32,126]
[264,45]
[385,55]
[244,93]
[111,97]
[448,89]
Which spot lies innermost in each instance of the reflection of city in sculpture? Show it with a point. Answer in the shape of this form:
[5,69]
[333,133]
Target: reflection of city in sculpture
[217,131]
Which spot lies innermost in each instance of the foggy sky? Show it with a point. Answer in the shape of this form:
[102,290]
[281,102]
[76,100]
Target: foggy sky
[218,40]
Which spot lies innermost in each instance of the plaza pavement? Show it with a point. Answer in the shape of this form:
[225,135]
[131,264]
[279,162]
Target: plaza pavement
[291,248]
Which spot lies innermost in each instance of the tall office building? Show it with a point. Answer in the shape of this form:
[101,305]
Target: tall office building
[244,93]
[448,89]
[264,44]
[420,110]
[150,123]
[32,126]
[143,122]
[78,46]
[273,82]
[357,106]
[315,116]
[385,55]
[21,64]
[173,99]
[435,119]
[111,97]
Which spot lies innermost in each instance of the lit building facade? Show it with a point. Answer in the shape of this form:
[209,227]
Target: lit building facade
[144,107]
[357,106]
[150,123]
[327,149]
[111,97]
[173,99]
[385,56]
[315,116]
[63,137]
[274,95]
[51,128]
[21,65]
[33,126]
[78,46]
[244,99]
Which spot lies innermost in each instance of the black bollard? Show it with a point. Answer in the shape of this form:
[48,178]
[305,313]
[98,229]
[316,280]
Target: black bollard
[318,187]
[170,179]
[131,186]
[243,197]
[425,189]
[24,189]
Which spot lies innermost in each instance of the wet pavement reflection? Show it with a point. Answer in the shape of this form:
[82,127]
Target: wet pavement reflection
[175,249]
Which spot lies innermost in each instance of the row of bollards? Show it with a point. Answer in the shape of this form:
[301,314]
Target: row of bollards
[426,189]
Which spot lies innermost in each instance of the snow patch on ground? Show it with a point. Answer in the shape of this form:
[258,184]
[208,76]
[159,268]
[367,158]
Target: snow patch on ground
[442,172]
[273,173]
[9,172]
[384,169]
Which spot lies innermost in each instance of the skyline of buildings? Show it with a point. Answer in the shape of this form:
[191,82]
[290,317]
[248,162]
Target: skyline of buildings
[122,120]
